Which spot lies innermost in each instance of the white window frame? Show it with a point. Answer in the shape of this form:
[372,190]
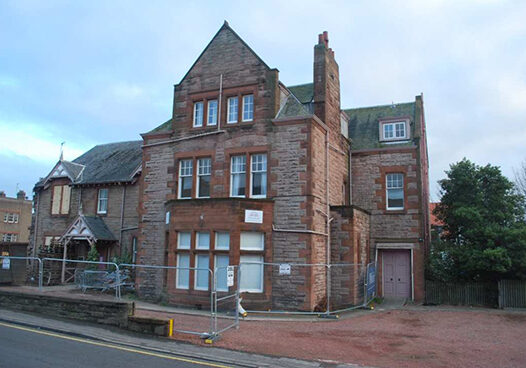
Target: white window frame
[250,105]
[11,218]
[217,233]
[232,173]
[262,273]
[197,236]
[387,188]
[188,173]
[177,276]
[259,249]
[9,237]
[101,199]
[394,124]
[214,115]
[229,110]
[204,173]
[196,271]
[179,240]
[198,114]
[252,171]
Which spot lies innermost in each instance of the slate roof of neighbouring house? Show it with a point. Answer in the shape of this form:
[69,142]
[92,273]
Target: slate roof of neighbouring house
[164,127]
[364,128]
[98,228]
[303,92]
[110,163]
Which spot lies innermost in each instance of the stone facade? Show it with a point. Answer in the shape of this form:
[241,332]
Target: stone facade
[15,218]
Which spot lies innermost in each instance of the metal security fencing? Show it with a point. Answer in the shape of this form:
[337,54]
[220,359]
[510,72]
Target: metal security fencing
[352,286]
[226,298]
[19,265]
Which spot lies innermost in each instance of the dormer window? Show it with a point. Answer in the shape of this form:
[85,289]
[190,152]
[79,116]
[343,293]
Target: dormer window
[198,114]
[394,130]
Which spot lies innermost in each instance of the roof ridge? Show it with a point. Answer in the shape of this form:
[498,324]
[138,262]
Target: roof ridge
[384,105]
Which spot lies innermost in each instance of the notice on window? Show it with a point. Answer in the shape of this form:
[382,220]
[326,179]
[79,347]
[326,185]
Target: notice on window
[6,263]
[284,269]
[253,216]
[230,276]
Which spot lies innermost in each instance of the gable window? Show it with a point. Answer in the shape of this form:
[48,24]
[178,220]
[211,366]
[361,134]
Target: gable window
[394,131]
[212,113]
[232,110]
[102,203]
[395,191]
[198,114]
[248,108]
[204,171]
[185,179]
[60,199]
[238,176]
[11,218]
[258,174]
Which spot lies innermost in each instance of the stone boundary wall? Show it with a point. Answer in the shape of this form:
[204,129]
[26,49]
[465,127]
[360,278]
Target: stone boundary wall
[113,313]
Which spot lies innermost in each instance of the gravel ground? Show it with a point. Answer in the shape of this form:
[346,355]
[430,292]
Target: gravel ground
[417,337]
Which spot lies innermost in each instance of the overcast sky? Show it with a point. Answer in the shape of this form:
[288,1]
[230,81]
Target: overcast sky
[91,72]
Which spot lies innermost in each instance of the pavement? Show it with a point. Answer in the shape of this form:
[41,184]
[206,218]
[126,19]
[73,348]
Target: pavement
[159,345]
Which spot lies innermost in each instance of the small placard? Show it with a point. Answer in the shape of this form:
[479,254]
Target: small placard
[230,276]
[284,269]
[253,216]
[6,263]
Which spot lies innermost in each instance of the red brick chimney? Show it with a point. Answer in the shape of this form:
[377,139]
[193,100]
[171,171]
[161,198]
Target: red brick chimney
[326,85]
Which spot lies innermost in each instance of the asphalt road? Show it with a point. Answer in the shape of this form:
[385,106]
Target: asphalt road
[27,347]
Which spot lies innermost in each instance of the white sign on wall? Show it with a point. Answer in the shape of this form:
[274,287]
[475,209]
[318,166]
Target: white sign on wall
[253,216]
[6,263]
[230,276]
[284,269]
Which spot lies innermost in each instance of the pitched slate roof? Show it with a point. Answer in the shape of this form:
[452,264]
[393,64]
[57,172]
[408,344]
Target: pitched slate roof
[110,163]
[164,127]
[74,169]
[303,92]
[98,228]
[364,128]
[292,108]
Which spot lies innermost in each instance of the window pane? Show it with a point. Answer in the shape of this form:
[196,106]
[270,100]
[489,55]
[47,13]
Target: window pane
[221,263]
[259,175]
[201,275]
[238,178]
[185,178]
[212,112]
[252,241]
[251,274]
[204,170]
[203,240]
[232,110]
[388,131]
[198,114]
[400,130]
[183,276]
[248,107]
[222,240]
[183,240]
[395,191]
[103,201]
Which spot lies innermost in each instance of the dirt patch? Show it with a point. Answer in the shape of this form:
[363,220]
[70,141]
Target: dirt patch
[401,338]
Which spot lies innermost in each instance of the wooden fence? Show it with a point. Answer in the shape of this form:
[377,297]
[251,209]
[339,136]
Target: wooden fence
[502,294]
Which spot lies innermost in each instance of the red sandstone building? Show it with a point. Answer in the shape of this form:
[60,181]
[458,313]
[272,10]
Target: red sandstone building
[250,170]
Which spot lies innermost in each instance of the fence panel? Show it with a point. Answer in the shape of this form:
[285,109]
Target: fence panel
[15,270]
[226,298]
[349,286]
[474,293]
[512,294]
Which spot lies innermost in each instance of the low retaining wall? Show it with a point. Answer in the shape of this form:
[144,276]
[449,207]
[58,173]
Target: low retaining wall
[150,326]
[113,313]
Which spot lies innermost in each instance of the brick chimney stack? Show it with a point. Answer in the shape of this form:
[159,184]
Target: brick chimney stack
[326,85]
[21,195]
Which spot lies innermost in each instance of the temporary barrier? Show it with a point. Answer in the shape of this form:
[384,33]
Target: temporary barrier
[226,298]
[8,268]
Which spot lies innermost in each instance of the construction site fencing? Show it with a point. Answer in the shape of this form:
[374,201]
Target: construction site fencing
[352,286]
[14,270]
[201,324]
[83,274]
[226,298]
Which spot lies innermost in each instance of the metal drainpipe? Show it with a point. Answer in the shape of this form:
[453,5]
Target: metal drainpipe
[36,225]
[122,217]
[219,102]
[350,176]
[328,226]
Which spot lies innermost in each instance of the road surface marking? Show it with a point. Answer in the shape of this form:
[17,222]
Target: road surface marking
[131,350]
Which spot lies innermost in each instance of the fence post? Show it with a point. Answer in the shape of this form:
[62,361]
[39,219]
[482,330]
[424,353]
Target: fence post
[40,274]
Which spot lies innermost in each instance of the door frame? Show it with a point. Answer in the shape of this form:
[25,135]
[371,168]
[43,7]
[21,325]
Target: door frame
[398,246]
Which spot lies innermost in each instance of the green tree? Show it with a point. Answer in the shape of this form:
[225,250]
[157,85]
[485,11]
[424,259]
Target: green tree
[484,230]
[93,256]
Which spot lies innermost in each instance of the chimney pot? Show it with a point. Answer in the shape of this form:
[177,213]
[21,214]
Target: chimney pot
[320,39]
[326,38]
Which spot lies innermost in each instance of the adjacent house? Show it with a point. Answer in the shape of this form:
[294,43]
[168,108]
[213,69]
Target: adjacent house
[15,218]
[249,170]
[90,201]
